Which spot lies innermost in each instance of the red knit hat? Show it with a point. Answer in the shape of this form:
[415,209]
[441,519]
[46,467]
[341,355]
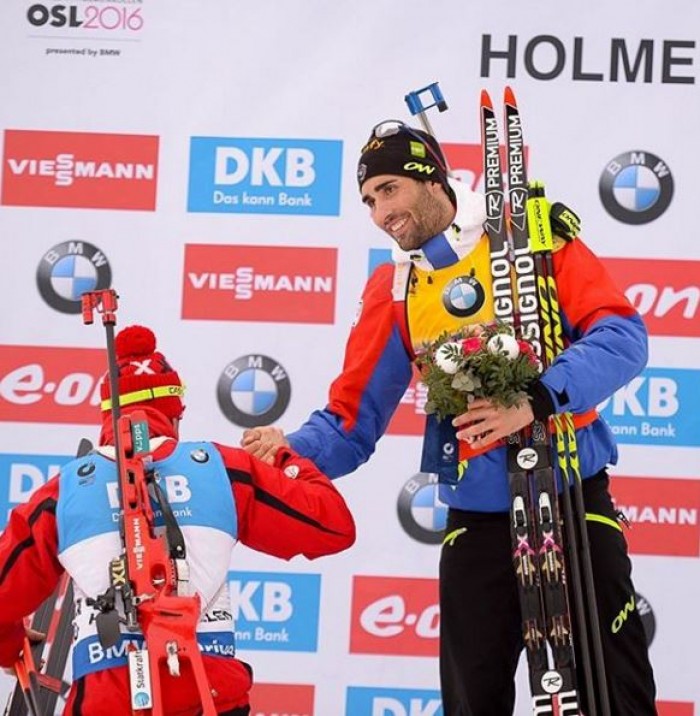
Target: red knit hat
[145,376]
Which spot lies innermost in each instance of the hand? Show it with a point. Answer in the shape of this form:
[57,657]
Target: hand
[264,442]
[486,423]
[34,637]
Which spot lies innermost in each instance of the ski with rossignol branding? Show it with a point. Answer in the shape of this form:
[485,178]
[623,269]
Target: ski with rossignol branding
[538,554]
[50,656]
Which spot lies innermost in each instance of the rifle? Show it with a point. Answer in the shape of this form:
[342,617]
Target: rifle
[150,576]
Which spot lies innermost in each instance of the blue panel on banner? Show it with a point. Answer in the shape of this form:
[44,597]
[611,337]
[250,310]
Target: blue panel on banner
[378,257]
[371,701]
[21,475]
[659,407]
[265,176]
[275,611]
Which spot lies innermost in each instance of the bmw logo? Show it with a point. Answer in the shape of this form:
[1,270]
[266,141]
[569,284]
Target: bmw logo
[463,297]
[636,187]
[69,269]
[420,511]
[253,390]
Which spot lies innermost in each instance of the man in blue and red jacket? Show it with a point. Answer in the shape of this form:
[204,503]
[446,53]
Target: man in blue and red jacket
[220,495]
[440,281]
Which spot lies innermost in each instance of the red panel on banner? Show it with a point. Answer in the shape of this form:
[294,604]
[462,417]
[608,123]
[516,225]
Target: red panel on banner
[78,169]
[663,513]
[41,384]
[409,418]
[278,699]
[284,284]
[675,708]
[665,292]
[395,615]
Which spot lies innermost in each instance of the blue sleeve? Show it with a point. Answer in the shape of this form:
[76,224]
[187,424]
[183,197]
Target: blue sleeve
[326,438]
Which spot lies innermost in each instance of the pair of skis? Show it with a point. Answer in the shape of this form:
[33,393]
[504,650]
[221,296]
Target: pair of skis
[525,296]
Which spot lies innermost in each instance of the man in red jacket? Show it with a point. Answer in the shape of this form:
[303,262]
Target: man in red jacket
[219,495]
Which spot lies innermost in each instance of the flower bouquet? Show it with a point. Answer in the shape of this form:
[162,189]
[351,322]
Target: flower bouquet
[484,361]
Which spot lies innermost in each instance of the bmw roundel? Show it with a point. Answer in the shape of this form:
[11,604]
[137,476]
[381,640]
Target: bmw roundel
[253,390]
[68,270]
[421,513]
[464,296]
[636,187]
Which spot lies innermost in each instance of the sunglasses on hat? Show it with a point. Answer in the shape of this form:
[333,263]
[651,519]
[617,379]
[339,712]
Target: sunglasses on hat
[391,127]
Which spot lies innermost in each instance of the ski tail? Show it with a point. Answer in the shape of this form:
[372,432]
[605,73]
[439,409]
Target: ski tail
[42,671]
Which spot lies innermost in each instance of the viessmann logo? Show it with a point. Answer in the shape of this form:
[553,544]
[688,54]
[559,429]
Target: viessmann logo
[663,514]
[665,292]
[283,284]
[80,170]
[51,384]
[395,615]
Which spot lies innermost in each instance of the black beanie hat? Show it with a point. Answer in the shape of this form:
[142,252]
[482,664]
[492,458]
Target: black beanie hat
[405,152]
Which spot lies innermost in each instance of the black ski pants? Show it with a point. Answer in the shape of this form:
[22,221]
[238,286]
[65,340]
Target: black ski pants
[480,630]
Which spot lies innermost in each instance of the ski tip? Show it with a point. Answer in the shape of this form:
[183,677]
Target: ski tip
[509,97]
[486,99]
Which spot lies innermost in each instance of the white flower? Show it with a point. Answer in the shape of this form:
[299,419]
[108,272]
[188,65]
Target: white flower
[505,344]
[443,358]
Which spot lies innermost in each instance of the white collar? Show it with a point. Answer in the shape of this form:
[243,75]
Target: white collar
[461,236]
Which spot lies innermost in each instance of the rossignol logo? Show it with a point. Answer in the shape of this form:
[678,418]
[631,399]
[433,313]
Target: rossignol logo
[663,513]
[51,384]
[546,57]
[283,284]
[665,292]
[657,407]
[395,615]
[421,513]
[253,390]
[265,176]
[378,701]
[22,475]
[281,699]
[463,296]
[636,187]
[80,170]
[69,269]
[275,612]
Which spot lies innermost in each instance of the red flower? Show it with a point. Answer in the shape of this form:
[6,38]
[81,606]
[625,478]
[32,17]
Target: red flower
[526,348]
[471,345]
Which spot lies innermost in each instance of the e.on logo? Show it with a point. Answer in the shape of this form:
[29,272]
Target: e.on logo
[282,700]
[395,615]
[409,418]
[284,284]
[42,384]
[663,513]
[665,292]
[79,169]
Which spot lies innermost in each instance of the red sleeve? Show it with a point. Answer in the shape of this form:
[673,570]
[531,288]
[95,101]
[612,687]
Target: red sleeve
[374,339]
[29,566]
[288,508]
[586,291]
